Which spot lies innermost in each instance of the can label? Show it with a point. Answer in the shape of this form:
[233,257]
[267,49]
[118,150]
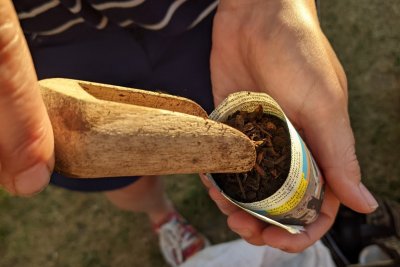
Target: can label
[299,199]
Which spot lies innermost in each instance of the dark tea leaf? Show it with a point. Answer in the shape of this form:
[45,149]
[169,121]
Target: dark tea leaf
[272,142]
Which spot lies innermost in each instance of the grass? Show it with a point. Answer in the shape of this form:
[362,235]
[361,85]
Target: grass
[69,229]
[366,38]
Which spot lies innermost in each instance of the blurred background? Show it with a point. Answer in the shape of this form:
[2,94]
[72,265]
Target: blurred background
[62,228]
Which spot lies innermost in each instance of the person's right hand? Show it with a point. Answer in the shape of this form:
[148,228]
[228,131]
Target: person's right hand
[26,136]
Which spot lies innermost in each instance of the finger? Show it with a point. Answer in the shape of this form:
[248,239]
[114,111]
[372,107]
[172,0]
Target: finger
[247,226]
[326,126]
[337,158]
[207,183]
[26,140]
[228,208]
[223,204]
[330,137]
[280,238]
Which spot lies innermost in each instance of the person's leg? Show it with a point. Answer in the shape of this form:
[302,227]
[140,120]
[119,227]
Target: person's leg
[146,195]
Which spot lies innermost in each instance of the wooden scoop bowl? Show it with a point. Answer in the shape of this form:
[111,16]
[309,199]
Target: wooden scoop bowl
[110,131]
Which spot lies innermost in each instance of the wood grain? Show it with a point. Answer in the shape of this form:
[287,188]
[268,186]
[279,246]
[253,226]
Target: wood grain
[107,131]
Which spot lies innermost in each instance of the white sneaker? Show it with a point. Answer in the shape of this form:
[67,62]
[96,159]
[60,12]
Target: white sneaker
[179,240]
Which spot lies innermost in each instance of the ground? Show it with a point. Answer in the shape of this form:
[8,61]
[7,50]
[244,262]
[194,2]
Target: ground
[61,228]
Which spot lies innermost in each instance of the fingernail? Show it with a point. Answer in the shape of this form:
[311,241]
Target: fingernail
[369,198]
[32,180]
[245,233]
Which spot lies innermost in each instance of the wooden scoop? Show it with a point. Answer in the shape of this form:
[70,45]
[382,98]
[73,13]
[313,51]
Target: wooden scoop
[109,131]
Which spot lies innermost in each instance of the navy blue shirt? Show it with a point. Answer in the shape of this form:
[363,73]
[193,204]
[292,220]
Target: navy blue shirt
[57,17]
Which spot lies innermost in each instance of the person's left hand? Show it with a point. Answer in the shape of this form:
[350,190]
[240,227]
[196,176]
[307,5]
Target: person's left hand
[277,47]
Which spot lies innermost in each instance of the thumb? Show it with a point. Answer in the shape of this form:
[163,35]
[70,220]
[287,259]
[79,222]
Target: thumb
[26,138]
[331,140]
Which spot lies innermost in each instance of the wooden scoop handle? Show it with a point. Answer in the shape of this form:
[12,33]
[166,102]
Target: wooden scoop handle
[108,131]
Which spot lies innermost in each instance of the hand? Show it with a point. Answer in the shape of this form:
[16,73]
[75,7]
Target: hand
[26,137]
[277,47]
